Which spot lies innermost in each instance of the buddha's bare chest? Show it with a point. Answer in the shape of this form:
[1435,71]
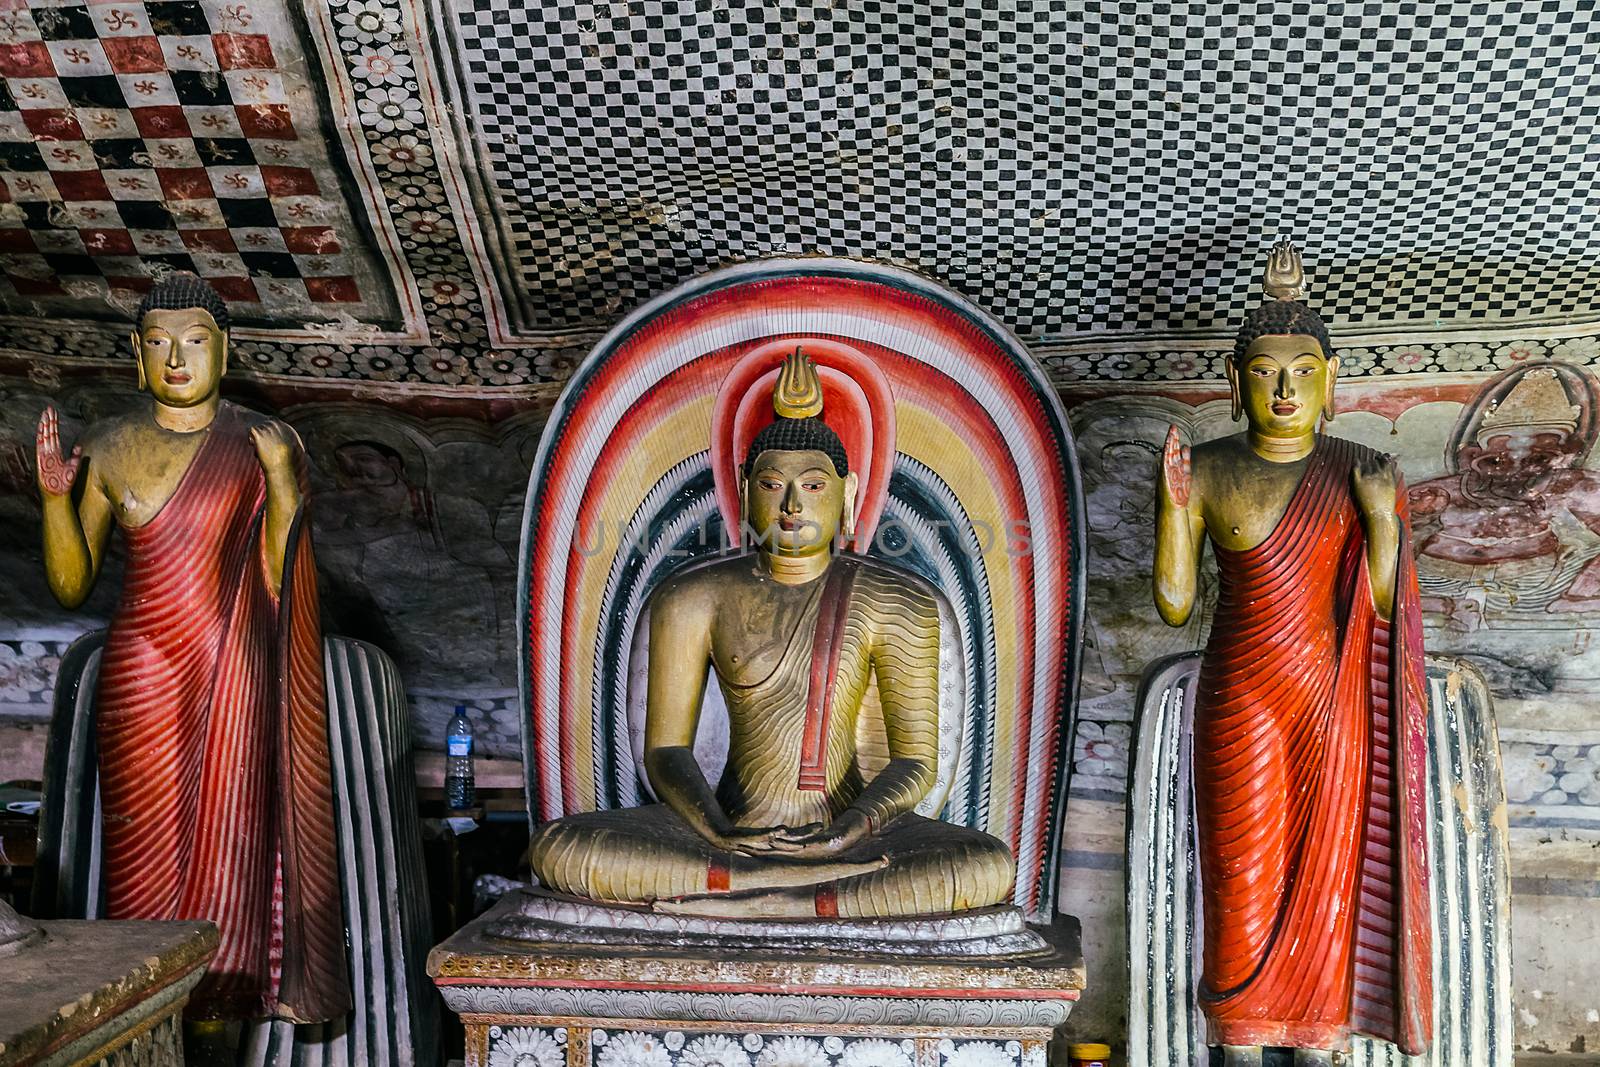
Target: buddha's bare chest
[756,625]
[765,628]
[142,471]
[1242,503]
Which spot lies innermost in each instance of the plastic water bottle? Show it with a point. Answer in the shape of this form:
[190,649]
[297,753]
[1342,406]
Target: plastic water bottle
[459,789]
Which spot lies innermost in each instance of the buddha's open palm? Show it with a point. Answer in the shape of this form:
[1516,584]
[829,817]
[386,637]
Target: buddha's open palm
[1177,469]
[275,445]
[57,473]
[1375,483]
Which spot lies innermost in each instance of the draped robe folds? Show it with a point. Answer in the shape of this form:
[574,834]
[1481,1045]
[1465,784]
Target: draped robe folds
[1309,777]
[216,787]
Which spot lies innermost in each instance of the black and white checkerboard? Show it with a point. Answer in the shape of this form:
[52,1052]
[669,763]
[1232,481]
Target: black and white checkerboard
[1072,167]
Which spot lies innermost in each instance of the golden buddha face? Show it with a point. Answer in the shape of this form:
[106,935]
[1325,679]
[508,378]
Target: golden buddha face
[182,355]
[796,503]
[1284,383]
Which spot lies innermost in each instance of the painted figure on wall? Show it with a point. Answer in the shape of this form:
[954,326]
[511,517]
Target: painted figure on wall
[1515,526]
[804,645]
[211,715]
[1309,712]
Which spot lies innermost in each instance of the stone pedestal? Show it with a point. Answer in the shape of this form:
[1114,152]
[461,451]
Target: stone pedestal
[84,992]
[632,996]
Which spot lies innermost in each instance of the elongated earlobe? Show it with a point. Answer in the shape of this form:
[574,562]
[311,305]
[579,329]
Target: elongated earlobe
[138,359]
[1233,390]
[744,506]
[847,520]
[1328,408]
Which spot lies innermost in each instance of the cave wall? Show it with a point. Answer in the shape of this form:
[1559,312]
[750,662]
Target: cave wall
[425,211]
[416,512]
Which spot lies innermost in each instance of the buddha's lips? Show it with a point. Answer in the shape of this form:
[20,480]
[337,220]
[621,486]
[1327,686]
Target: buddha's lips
[1285,407]
[176,378]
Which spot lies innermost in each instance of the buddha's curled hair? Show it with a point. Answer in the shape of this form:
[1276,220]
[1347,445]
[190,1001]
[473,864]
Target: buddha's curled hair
[1281,317]
[180,291]
[798,435]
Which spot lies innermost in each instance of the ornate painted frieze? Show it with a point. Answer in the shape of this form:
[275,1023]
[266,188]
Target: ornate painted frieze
[553,1046]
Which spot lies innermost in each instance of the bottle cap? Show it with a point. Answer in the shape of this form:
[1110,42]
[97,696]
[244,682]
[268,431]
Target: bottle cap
[461,709]
[1089,1052]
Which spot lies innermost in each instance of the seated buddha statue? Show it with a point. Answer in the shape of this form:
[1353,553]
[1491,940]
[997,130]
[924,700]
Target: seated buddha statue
[799,638]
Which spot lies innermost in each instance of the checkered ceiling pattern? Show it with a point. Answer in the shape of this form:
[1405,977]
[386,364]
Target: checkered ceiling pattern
[469,190]
[1100,167]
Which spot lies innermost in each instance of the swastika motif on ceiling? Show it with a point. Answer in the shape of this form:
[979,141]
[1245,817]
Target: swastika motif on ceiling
[138,138]
[1073,168]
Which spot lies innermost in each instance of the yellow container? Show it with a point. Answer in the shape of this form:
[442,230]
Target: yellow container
[1089,1055]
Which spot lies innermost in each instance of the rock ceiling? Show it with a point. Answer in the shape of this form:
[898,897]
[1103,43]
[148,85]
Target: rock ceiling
[463,193]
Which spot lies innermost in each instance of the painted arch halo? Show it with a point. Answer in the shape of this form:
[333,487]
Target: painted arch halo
[973,473]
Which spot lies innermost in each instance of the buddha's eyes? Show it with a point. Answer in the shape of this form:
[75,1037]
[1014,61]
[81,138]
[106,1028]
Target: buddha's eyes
[1304,372]
[1261,372]
[775,485]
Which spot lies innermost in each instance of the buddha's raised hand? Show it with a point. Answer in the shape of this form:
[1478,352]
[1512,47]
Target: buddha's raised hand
[57,473]
[1177,469]
[1375,483]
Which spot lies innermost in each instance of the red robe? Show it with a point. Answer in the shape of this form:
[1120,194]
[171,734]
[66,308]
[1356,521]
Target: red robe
[216,789]
[1309,785]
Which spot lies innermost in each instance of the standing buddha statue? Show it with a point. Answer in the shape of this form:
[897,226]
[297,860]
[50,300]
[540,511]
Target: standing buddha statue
[210,713]
[795,636]
[1309,712]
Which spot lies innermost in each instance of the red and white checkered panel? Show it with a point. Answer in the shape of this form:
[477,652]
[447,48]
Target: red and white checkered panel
[137,138]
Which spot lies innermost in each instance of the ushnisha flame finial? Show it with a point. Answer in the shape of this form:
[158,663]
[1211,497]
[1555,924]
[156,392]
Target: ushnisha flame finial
[1285,278]
[798,394]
